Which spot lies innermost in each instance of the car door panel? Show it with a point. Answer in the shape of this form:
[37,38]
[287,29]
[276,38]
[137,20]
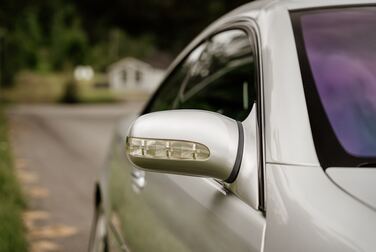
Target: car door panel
[179,213]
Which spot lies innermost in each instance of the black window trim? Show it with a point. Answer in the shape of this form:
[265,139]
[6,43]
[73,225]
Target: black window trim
[250,27]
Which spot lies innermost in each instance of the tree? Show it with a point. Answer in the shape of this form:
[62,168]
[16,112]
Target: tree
[55,35]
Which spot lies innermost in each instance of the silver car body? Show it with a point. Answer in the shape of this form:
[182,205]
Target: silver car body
[282,200]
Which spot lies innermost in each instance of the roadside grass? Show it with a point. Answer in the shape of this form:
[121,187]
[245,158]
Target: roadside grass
[32,87]
[12,231]
[88,94]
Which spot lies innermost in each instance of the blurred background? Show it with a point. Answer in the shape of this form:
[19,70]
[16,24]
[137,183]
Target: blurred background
[42,43]
[70,70]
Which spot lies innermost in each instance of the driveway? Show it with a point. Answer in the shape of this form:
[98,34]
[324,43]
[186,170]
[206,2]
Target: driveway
[58,152]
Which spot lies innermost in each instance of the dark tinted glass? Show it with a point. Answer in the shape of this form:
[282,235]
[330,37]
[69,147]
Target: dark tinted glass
[339,64]
[223,80]
[341,48]
[168,92]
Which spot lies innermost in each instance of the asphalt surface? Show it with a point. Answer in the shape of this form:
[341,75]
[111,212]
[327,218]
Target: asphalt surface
[59,151]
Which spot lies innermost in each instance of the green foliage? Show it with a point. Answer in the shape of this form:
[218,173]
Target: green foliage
[21,46]
[31,44]
[71,93]
[68,45]
[57,35]
[118,44]
[12,233]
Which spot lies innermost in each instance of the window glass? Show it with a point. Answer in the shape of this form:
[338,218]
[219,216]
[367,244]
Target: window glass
[219,76]
[223,80]
[339,62]
[168,92]
[138,76]
[124,75]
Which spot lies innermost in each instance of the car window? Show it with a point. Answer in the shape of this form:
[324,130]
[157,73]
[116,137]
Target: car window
[219,76]
[223,80]
[337,59]
[167,93]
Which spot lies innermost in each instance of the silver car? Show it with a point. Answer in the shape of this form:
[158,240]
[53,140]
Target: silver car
[262,137]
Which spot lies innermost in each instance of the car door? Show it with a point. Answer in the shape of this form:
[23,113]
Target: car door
[162,212]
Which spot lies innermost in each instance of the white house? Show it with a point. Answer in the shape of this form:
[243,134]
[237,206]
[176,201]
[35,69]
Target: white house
[133,74]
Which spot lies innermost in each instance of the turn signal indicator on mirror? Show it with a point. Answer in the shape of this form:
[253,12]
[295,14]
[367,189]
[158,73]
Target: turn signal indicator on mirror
[166,149]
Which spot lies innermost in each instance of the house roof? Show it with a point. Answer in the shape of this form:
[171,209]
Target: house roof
[158,60]
[129,61]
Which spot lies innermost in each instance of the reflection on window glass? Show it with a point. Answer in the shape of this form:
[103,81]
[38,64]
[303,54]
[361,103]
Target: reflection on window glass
[341,50]
[218,76]
[166,95]
[223,80]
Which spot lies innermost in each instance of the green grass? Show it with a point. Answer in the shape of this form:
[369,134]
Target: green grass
[32,87]
[12,231]
[88,94]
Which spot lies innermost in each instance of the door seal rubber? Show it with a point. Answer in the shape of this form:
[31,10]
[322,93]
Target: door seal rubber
[239,155]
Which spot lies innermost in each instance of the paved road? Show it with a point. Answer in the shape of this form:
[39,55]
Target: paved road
[59,150]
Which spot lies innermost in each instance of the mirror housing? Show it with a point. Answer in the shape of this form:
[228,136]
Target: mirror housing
[187,142]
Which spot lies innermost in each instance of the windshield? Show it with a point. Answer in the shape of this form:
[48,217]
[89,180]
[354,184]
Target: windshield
[337,53]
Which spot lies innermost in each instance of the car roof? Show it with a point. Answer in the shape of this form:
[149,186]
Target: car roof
[254,7]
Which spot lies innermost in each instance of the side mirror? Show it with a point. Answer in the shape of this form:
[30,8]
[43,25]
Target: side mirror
[187,142]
